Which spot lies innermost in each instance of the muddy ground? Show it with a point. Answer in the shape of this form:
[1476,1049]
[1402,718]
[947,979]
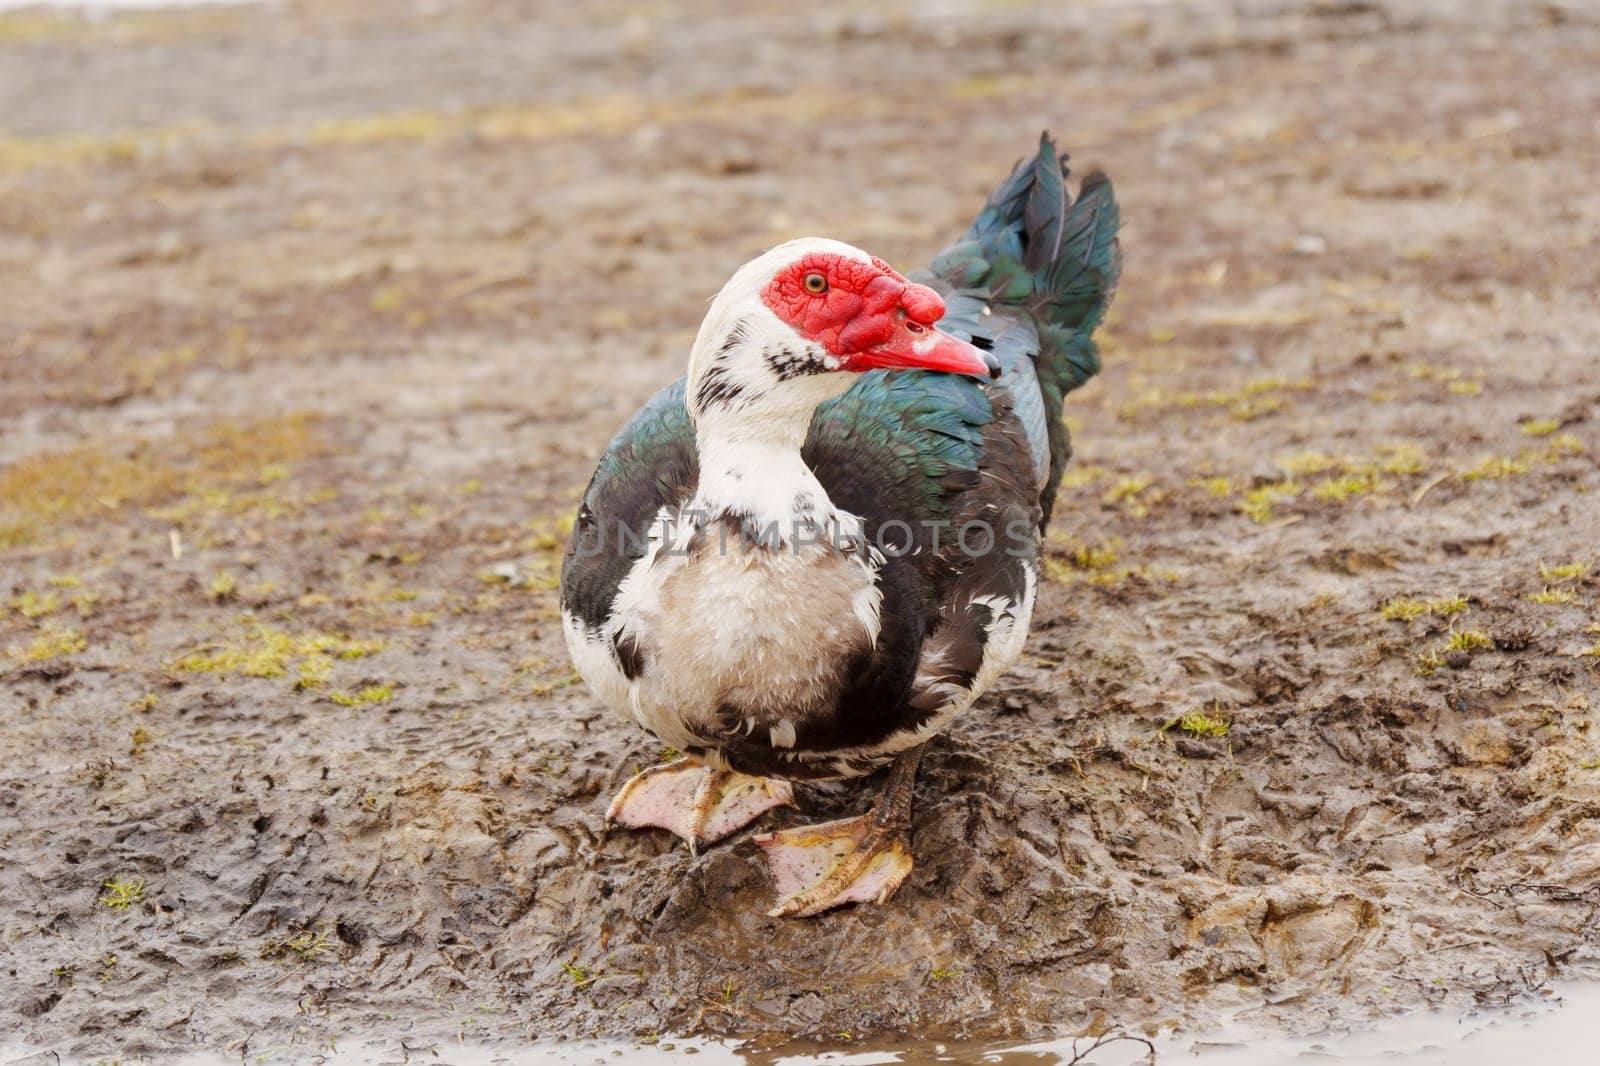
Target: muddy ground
[314,318]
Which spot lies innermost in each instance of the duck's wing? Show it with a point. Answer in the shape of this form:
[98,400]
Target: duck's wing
[650,464]
[939,469]
[1031,280]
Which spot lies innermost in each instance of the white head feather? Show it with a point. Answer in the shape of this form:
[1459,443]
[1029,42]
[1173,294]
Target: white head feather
[750,422]
[739,328]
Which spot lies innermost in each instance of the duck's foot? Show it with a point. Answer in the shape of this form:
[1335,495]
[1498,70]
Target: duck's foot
[854,860]
[818,867]
[699,804]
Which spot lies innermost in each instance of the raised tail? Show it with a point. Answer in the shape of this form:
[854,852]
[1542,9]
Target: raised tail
[1030,281]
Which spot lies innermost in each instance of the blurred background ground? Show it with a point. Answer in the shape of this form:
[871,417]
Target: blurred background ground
[315,316]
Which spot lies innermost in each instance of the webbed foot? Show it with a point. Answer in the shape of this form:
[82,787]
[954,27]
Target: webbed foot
[699,804]
[819,867]
[854,860]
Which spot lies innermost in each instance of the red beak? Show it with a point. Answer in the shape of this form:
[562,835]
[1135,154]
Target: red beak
[918,347]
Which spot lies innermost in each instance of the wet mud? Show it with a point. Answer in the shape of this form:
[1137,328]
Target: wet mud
[314,318]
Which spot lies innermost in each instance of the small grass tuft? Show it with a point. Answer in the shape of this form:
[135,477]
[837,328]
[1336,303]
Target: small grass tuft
[1133,494]
[1201,724]
[1306,464]
[1400,458]
[1096,564]
[312,673]
[1563,572]
[306,946]
[1494,467]
[342,647]
[1217,487]
[223,587]
[33,605]
[267,652]
[1550,595]
[939,974]
[38,495]
[1539,427]
[1491,467]
[362,697]
[1341,478]
[1404,609]
[1468,640]
[1259,503]
[1077,477]
[1249,401]
[542,689]
[50,644]
[1339,489]
[1093,557]
[581,978]
[120,894]
[1562,447]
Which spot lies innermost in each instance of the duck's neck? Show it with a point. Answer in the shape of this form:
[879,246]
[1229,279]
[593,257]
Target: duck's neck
[765,487]
[750,464]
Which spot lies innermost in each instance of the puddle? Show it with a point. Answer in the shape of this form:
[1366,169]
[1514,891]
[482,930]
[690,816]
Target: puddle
[1549,1031]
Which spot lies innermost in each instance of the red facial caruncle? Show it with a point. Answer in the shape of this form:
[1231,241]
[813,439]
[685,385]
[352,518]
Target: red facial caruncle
[869,316]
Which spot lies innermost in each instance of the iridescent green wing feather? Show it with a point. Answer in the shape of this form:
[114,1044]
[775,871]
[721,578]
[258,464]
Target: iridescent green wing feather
[898,444]
[650,463]
[1031,279]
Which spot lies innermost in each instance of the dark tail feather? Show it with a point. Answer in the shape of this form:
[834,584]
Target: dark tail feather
[1031,280]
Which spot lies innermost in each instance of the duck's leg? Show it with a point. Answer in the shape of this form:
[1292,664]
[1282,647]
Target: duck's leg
[698,803]
[854,860]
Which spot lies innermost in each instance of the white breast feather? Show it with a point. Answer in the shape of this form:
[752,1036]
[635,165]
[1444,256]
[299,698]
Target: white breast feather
[764,631]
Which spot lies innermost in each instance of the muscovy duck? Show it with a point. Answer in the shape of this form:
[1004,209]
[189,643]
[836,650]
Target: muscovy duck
[807,556]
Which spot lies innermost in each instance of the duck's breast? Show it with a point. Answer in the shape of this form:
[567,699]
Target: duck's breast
[723,637]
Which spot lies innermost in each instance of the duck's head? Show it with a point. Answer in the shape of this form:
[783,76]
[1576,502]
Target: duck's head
[795,325]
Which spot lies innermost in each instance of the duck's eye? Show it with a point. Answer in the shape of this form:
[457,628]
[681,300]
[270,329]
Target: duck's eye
[816,283]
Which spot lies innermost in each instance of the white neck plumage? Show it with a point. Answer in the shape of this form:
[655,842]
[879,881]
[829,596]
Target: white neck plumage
[750,465]
[753,386]
[750,422]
